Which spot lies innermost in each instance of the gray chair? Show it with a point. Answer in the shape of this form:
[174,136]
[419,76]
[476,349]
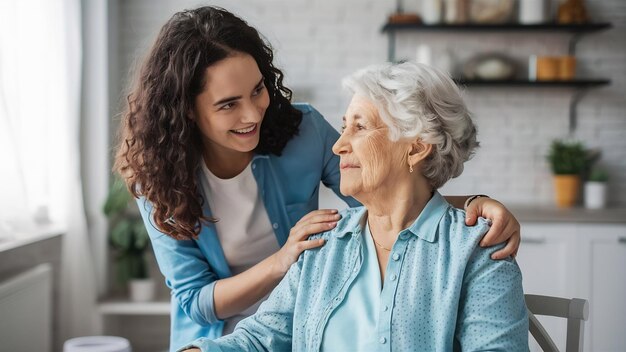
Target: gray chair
[576,311]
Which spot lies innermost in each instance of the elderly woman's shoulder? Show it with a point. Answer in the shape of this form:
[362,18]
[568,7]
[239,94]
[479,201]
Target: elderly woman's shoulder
[349,222]
[453,223]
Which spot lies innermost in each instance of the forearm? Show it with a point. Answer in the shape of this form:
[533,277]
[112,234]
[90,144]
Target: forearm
[235,294]
[456,201]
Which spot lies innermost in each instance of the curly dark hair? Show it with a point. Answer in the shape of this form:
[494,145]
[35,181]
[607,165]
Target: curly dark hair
[160,147]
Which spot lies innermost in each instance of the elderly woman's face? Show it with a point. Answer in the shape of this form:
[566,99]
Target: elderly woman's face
[368,157]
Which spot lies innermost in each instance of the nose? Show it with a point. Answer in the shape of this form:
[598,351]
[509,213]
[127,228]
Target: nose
[342,145]
[251,113]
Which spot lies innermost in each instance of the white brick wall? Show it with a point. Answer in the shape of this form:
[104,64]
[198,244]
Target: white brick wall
[319,41]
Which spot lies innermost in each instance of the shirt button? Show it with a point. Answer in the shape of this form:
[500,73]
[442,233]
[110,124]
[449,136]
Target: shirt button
[275,226]
[404,236]
[396,256]
[394,277]
[385,308]
[253,166]
[382,340]
[355,269]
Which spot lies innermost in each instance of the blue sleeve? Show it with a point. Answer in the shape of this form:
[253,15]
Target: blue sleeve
[269,329]
[330,172]
[186,270]
[492,311]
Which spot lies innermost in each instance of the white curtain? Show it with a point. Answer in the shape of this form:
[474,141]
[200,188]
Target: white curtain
[40,84]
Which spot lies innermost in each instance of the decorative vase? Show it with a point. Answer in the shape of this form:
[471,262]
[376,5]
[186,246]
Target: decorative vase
[532,11]
[141,290]
[566,190]
[431,11]
[595,195]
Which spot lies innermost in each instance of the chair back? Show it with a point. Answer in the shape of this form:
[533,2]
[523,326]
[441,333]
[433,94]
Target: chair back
[575,310]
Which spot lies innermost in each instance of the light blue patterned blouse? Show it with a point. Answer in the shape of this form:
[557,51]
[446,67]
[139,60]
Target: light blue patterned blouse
[442,292]
[357,315]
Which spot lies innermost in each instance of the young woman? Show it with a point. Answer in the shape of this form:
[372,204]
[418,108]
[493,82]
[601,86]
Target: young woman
[226,171]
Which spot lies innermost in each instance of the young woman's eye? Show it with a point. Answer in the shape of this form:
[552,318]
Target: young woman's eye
[227,106]
[258,90]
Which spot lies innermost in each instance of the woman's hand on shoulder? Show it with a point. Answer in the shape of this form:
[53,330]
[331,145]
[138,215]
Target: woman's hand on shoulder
[504,226]
[314,222]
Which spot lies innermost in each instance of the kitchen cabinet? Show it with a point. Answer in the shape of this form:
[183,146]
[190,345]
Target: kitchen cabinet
[577,31]
[579,260]
[545,260]
[604,283]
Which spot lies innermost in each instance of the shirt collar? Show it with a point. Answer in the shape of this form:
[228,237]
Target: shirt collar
[424,227]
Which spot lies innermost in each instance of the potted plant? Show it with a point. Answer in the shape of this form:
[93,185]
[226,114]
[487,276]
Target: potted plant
[129,239]
[568,161]
[595,189]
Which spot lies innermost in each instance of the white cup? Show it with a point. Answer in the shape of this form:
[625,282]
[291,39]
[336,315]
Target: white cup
[532,11]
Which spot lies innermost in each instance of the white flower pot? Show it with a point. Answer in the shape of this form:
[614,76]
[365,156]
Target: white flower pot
[595,195]
[141,290]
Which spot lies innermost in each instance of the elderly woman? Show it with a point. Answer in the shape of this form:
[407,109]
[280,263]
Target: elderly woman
[403,272]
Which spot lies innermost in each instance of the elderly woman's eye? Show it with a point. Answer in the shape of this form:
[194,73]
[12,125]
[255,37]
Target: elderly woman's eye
[360,127]
[343,128]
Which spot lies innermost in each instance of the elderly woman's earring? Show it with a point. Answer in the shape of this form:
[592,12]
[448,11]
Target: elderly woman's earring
[411,168]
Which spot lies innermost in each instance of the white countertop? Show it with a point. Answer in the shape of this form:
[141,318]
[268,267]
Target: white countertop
[547,213]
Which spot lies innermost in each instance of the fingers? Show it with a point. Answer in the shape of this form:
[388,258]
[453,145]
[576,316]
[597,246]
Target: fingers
[315,222]
[302,232]
[471,215]
[510,249]
[310,244]
[494,235]
[317,212]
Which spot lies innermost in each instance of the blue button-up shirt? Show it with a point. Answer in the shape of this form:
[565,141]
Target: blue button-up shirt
[442,292]
[289,187]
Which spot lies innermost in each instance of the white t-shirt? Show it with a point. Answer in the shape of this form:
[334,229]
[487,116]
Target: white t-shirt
[244,228]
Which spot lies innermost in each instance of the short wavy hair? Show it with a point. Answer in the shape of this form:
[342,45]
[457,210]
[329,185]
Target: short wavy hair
[416,100]
[160,147]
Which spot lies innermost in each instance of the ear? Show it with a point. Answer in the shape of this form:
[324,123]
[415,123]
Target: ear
[419,151]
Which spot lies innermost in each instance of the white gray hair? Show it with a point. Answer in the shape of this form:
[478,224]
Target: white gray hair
[416,100]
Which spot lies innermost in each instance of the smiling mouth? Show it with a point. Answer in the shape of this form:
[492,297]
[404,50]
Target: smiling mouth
[245,131]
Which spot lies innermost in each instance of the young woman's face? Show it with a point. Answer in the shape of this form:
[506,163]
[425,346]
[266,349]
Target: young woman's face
[230,109]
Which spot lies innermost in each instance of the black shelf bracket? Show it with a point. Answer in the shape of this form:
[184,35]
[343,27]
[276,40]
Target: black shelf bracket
[573,41]
[391,46]
[573,106]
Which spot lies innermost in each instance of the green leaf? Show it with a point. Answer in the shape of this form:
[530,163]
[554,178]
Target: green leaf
[568,158]
[117,199]
[141,236]
[122,235]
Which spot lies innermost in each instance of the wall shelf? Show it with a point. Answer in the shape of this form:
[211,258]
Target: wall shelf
[577,31]
[544,27]
[577,83]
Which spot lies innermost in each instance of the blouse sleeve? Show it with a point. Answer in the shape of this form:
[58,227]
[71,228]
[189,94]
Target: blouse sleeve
[269,329]
[492,312]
